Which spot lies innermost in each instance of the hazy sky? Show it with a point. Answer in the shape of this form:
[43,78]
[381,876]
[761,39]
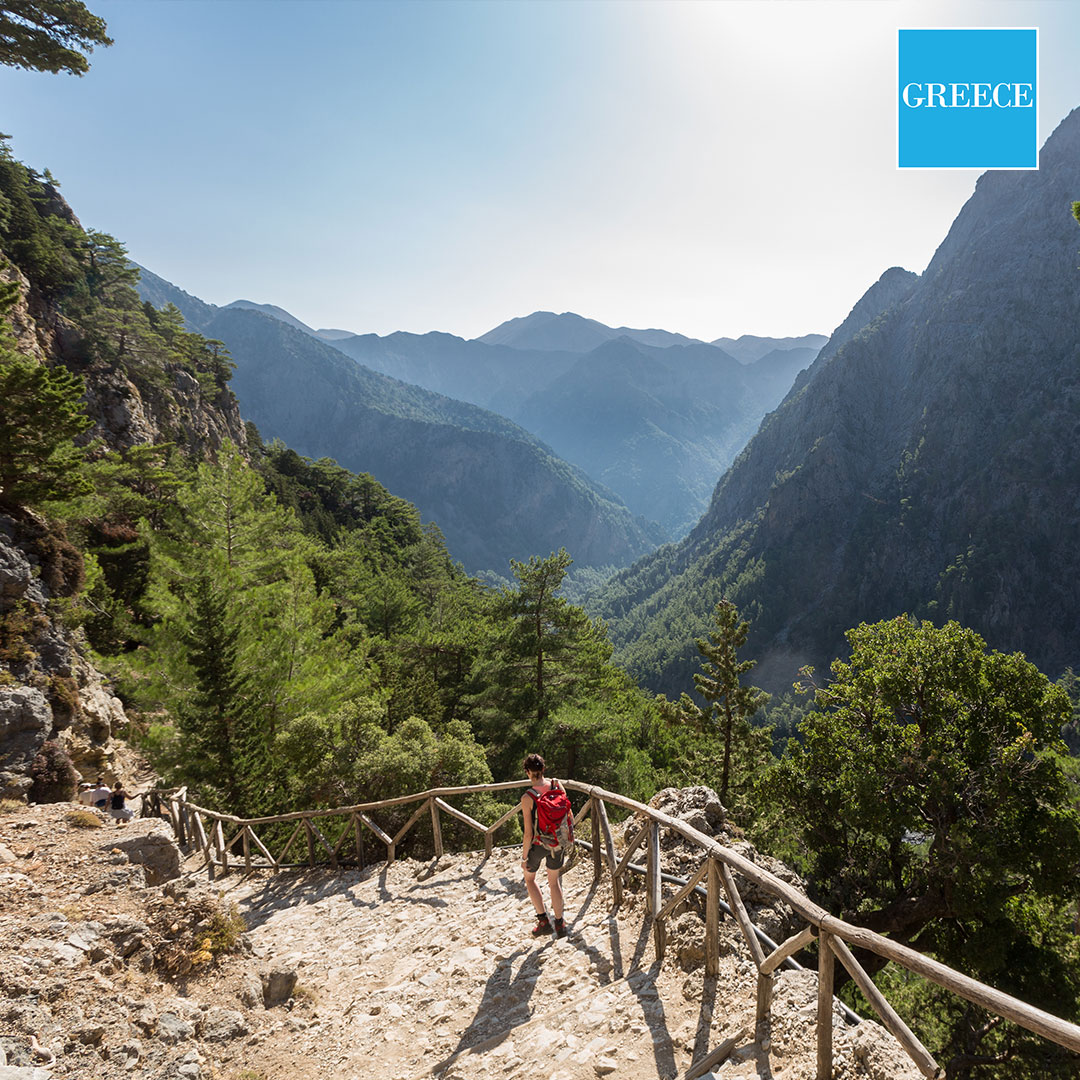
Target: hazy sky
[715,168]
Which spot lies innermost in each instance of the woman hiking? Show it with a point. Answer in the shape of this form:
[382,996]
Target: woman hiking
[534,849]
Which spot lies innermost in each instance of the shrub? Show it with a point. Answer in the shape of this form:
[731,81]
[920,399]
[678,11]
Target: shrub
[54,777]
[84,819]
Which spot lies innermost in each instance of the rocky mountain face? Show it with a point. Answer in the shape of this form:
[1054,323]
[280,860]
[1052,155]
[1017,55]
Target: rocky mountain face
[494,490]
[929,464]
[49,689]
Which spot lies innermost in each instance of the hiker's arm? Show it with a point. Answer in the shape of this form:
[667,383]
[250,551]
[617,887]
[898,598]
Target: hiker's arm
[527,832]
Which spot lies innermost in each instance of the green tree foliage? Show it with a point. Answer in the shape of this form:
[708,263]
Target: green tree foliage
[229,580]
[729,706]
[932,803]
[42,413]
[1070,732]
[546,652]
[49,35]
[348,757]
[37,231]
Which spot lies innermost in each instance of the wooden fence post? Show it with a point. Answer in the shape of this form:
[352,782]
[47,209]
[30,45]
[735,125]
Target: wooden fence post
[712,920]
[826,964]
[609,849]
[596,853]
[653,889]
[436,829]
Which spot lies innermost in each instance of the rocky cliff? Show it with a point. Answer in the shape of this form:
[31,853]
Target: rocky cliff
[49,689]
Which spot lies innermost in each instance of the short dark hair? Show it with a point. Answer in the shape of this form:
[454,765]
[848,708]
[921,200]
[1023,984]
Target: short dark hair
[533,763]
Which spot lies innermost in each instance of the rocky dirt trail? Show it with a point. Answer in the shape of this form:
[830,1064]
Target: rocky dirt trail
[419,969]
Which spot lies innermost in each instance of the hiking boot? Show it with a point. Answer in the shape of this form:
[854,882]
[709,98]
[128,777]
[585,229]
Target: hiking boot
[560,928]
[543,926]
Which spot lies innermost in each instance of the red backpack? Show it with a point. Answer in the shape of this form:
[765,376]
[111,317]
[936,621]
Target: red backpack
[554,820]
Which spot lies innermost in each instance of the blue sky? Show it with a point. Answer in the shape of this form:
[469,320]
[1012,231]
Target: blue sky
[711,168]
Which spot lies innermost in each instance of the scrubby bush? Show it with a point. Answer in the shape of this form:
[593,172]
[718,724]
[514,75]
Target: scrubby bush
[54,777]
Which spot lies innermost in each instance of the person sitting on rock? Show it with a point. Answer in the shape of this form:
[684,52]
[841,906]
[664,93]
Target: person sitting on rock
[101,795]
[116,805]
[86,793]
[533,850]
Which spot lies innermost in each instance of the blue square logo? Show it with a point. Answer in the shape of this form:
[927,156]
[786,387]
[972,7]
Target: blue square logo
[968,99]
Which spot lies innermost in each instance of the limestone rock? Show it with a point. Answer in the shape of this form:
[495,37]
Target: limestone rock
[278,984]
[223,1025]
[25,723]
[156,851]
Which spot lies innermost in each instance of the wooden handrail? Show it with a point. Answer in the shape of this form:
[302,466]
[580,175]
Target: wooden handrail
[832,932]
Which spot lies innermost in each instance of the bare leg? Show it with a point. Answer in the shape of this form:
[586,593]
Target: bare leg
[555,884]
[534,893]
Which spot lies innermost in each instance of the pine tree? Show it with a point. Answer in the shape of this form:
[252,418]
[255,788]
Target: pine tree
[546,652]
[230,577]
[49,35]
[42,412]
[730,705]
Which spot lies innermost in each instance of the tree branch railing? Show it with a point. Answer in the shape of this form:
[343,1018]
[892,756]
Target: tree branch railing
[205,830]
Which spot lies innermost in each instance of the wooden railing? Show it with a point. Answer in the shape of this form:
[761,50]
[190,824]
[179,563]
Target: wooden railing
[206,830]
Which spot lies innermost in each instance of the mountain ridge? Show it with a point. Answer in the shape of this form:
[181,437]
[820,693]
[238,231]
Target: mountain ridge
[496,491]
[928,465]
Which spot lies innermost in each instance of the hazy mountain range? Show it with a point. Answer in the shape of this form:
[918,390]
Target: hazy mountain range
[494,490]
[649,418]
[654,416]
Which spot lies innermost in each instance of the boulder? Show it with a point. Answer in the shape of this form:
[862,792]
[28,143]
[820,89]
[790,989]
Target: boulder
[155,851]
[25,723]
[277,985]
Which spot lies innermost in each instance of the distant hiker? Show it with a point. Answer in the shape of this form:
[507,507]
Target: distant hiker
[116,805]
[548,819]
[101,795]
[86,793]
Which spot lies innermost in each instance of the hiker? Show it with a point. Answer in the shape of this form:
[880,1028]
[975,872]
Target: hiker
[86,793]
[116,805]
[100,795]
[545,802]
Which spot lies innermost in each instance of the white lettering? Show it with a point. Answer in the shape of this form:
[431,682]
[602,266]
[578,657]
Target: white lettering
[968,95]
[907,100]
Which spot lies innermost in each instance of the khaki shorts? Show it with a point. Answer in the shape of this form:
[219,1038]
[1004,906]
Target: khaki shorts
[536,856]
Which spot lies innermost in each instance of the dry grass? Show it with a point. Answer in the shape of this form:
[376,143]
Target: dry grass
[11,806]
[83,819]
